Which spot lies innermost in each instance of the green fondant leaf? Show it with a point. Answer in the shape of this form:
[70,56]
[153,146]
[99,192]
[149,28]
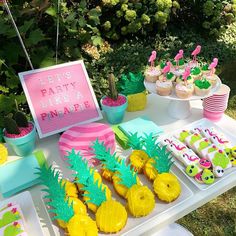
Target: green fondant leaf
[128,177]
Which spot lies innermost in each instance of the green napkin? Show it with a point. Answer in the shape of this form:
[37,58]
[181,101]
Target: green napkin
[121,138]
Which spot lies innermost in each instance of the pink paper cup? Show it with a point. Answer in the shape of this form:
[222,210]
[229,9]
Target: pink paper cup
[213,116]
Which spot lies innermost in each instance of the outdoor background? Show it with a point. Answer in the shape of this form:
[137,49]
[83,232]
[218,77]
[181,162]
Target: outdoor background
[122,34]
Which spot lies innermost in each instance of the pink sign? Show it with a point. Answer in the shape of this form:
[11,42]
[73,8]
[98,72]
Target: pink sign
[60,97]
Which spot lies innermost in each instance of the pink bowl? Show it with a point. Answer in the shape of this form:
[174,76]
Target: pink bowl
[213,116]
[81,137]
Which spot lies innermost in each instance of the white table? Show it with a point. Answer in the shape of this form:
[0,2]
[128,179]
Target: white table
[157,111]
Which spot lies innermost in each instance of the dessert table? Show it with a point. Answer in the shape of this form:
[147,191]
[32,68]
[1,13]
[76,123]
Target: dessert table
[157,111]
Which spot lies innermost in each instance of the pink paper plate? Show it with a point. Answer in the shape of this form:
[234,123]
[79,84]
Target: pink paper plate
[81,137]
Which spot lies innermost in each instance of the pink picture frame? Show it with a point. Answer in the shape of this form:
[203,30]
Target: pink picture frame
[60,97]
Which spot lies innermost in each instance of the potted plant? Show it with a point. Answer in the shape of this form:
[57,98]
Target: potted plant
[115,104]
[19,134]
[133,87]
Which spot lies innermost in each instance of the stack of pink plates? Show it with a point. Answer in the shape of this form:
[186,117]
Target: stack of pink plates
[81,137]
[215,105]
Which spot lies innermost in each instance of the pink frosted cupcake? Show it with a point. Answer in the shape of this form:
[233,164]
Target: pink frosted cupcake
[164,88]
[184,90]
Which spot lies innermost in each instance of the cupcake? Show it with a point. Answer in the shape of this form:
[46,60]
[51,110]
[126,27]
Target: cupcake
[169,77]
[162,65]
[181,80]
[178,71]
[202,87]
[184,91]
[205,69]
[212,79]
[196,73]
[152,74]
[211,76]
[164,88]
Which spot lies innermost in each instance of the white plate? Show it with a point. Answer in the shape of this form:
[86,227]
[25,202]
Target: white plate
[134,224]
[32,223]
[206,123]
[151,87]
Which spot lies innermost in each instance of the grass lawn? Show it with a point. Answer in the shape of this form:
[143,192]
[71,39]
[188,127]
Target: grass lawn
[218,217]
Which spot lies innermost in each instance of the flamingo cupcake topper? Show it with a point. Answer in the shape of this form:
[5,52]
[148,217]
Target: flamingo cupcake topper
[152,58]
[186,74]
[166,69]
[213,65]
[179,55]
[196,51]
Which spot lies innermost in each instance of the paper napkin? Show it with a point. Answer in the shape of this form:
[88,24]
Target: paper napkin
[141,125]
[20,174]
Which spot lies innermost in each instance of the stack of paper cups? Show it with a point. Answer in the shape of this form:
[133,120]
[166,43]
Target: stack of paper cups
[215,105]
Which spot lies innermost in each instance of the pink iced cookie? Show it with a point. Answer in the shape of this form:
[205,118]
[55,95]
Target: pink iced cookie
[204,163]
[198,178]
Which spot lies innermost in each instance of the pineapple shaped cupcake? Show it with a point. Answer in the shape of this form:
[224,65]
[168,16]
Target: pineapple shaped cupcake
[140,199]
[166,185]
[111,216]
[74,221]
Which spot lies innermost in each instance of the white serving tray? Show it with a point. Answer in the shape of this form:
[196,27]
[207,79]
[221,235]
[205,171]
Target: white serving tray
[134,224]
[206,123]
[32,223]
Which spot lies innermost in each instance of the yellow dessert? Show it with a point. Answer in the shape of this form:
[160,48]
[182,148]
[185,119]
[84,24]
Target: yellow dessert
[82,225]
[107,174]
[70,188]
[167,187]
[3,154]
[138,159]
[149,170]
[141,200]
[91,205]
[111,216]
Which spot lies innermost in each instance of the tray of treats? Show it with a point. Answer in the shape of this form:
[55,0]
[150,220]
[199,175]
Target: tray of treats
[113,197]
[203,151]
[178,79]
[18,216]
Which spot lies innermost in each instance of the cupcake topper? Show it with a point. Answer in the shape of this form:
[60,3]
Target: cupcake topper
[186,74]
[196,51]
[152,58]
[179,55]
[166,69]
[213,65]
[56,194]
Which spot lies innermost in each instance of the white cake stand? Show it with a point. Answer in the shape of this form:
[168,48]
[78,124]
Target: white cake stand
[180,108]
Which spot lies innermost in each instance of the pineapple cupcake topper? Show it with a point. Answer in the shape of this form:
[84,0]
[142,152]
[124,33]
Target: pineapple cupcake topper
[56,194]
[111,216]
[140,198]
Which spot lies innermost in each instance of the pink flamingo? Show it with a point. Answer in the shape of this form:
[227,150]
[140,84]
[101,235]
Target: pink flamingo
[152,58]
[213,65]
[166,69]
[196,51]
[186,74]
[179,55]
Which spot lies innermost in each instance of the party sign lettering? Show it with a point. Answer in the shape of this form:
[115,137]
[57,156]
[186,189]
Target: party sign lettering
[60,97]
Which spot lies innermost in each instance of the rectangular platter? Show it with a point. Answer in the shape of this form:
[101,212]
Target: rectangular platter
[206,123]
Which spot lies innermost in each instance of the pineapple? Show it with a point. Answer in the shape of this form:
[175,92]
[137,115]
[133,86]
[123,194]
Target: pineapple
[140,199]
[69,212]
[70,188]
[149,170]
[111,216]
[3,154]
[166,185]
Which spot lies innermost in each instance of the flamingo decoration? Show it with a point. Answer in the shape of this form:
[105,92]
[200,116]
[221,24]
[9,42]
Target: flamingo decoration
[213,65]
[196,51]
[166,69]
[152,58]
[186,74]
[179,55]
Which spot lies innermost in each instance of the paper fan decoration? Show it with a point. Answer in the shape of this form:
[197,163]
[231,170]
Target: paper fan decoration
[80,138]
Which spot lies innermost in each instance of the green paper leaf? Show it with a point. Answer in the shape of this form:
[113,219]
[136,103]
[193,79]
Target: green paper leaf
[134,141]
[150,145]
